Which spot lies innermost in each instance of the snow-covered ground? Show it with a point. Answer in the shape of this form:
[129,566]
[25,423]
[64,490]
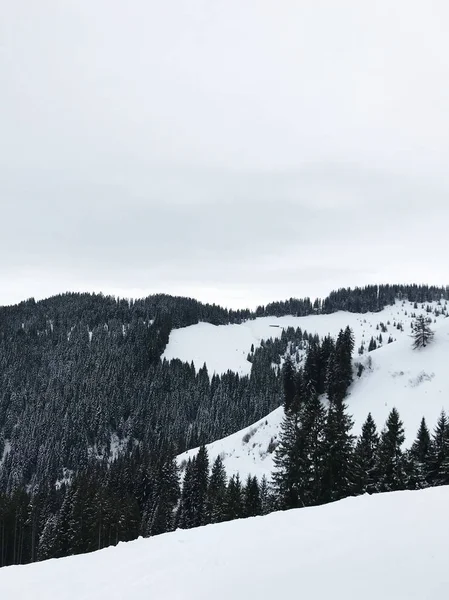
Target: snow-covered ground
[226,347]
[416,382]
[390,546]
[248,451]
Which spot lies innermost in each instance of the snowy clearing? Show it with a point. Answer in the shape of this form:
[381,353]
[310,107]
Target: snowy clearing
[226,347]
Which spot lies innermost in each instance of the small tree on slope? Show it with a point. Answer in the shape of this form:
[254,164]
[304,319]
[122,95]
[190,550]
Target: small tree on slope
[422,334]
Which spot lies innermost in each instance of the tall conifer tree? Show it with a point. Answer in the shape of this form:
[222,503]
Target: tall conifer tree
[391,464]
[365,474]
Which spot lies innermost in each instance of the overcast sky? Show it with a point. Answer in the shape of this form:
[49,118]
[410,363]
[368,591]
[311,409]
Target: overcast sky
[237,151]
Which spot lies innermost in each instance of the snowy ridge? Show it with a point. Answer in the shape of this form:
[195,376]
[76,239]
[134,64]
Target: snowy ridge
[390,546]
[416,382]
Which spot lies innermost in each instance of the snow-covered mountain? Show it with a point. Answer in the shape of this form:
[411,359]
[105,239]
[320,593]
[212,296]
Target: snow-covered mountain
[416,382]
[390,546]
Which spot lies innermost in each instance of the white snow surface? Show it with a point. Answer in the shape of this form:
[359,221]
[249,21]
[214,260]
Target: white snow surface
[250,457]
[416,382]
[390,546]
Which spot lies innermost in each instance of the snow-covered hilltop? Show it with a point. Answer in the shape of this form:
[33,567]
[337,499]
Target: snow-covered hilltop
[416,382]
[226,347]
[391,546]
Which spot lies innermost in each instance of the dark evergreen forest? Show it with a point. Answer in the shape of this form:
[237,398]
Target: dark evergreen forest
[91,419]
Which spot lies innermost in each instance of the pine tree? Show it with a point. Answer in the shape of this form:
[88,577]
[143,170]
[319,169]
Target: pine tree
[186,510]
[312,367]
[422,334]
[48,540]
[251,498]
[300,391]
[365,472]
[439,453]
[267,499]
[166,496]
[338,453]
[201,483]
[287,463]
[372,345]
[288,379]
[326,350]
[347,351]
[286,458]
[216,494]
[420,456]
[311,450]
[391,465]
[339,372]
[234,499]
[192,510]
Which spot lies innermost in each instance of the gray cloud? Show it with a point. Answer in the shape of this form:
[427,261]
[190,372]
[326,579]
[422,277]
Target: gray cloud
[174,147]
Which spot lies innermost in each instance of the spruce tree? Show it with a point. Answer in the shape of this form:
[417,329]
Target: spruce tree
[192,511]
[234,499]
[216,493]
[391,462]
[346,352]
[300,390]
[312,367]
[252,500]
[338,453]
[311,450]
[288,379]
[48,540]
[420,456]
[326,350]
[422,334]
[287,462]
[201,483]
[267,500]
[166,496]
[287,458]
[365,474]
[339,371]
[439,453]
[186,510]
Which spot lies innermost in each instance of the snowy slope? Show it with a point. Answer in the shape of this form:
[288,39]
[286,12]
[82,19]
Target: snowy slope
[248,451]
[390,546]
[416,382]
[224,347]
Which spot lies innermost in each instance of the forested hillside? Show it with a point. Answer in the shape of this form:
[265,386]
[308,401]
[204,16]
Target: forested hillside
[82,383]
[81,376]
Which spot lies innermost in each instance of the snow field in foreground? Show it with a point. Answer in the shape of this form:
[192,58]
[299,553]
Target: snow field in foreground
[387,546]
